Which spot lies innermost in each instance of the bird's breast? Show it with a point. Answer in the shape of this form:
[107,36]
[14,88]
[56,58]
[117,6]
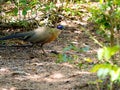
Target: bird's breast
[52,35]
[45,35]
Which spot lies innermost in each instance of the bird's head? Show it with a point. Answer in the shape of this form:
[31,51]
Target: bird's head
[61,27]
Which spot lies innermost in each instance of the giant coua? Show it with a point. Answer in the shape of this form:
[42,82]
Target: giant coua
[41,35]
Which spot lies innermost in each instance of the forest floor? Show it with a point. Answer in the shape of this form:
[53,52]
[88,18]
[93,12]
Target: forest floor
[25,68]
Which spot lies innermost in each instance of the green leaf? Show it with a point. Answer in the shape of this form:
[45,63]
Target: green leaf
[64,58]
[107,52]
[70,47]
[96,68]
[47,8]
[15,11]
[100,54]
[115,73]
[107,69]
[51,5]
[34,2]
[24,12]
[101,1]
[114,49]
[103,72]
[23,2]
[85,49]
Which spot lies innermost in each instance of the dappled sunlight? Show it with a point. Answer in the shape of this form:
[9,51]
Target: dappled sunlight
[57,80]
[57,76]
[33,77]
[68,65]
[93,51]
[54,76]
[11,88]
[82,73]
[4,70]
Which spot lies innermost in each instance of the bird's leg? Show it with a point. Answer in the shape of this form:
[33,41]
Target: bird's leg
[43,50]
[33,53]
[33,50]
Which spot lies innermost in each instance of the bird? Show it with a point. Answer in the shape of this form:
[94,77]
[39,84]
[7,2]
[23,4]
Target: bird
[41,35]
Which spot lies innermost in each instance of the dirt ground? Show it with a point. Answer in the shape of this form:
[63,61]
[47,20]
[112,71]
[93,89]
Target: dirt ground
[25,68]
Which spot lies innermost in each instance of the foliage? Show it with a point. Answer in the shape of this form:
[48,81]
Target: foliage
[46,12]
[106,16]
[106,69]
[66,56]
[28,10]
[106,53]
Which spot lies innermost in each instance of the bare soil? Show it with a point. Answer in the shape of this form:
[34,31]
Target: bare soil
[26,68]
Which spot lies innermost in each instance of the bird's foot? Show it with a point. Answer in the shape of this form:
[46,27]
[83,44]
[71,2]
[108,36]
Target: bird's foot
[54,52]
[45,54]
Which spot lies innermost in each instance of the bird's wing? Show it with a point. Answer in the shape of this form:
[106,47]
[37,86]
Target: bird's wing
[26,35]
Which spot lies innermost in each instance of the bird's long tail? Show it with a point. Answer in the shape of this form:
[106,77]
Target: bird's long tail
[17,35]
